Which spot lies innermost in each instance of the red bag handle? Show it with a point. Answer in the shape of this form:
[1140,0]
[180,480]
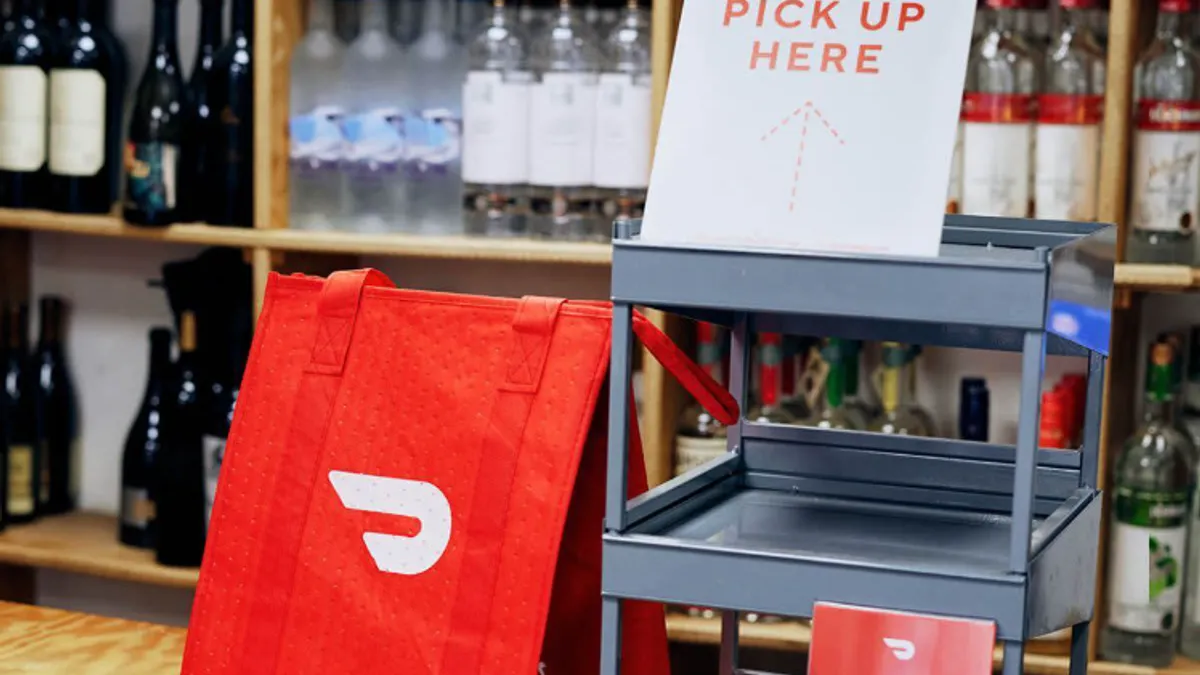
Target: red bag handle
[708,392]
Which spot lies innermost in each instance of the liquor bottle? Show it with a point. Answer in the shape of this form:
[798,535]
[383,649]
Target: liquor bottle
[859,410]
[1052,422]
[194,155]
[229,163]
[1154,483]
[376,96]
[897,416]
[142,445]
[621,169]
[58,412]
[26,53]
[225,390]
[700,437]
[1070,109]
[974,403]
[156,128]
[535,14]
[1165,175]
[562,123]
[469,17]
[86,91]
[179,466]
[347,19]
[833,414]
[1033,22]
[20,404]
[997,118]
[317,145]
[769,408]
[496,127]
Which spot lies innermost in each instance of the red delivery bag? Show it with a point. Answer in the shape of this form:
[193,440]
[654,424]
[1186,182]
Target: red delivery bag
[414,485]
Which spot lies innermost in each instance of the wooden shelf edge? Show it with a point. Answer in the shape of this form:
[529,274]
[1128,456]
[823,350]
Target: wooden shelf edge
[1156,277]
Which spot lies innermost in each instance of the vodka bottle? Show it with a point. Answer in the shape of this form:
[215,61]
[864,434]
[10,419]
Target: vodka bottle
[317,145]
[1166,168]
[834,414]
[562,123]
[376,97]
[434,68]
[898,416]
[700,437]
[496,127]
[1069,113]
[1154,484]
[997,118]
[770,407]
[621,170]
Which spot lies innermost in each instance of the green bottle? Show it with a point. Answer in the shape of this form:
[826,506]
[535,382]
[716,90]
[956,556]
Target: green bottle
[834,414]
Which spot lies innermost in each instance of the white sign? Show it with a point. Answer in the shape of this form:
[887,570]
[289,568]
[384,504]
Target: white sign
[810,124]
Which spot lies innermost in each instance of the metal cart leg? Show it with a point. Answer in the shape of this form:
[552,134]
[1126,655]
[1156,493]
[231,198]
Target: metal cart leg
[729,642]
[610,637]
[1014,657]
[1079,649]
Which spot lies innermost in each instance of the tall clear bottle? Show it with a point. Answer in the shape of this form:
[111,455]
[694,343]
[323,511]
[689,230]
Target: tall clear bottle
[621,171]
[1070,109]
[997,116]
[316,146]
[377,98]
[434,66]
[1166,148]
[496,126]
[562,123]
[1154,484]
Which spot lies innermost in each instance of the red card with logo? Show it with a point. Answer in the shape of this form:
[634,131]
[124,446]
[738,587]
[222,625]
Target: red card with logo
[863,641]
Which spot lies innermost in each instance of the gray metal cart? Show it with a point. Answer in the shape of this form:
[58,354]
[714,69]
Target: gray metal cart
[793,516]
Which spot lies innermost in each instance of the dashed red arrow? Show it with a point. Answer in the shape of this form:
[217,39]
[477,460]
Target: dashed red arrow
[806,111]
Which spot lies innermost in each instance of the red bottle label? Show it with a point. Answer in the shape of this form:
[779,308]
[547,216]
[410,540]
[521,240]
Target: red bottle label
[1156,115]
[771,361]
[997,108]
[1067,109]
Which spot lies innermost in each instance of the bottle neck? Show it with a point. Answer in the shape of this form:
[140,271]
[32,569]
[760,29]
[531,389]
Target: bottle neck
[166,24]
[1172,25]
[32,9]
[242,18]
[210,24]
[1004,20]
[433,19]
[320,15]
[1073,20]
[835,385]
[374,15]
[160,361]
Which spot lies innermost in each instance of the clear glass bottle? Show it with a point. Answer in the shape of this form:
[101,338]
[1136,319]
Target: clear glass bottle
[434,66]
[898,416]
[316,145]
[376,96]
[769,407]
[833,414]
[1165,175]
[1154,481]
[621,171]
[566,67]
[700,437]
[1070,109]
[997,116]
[496,127]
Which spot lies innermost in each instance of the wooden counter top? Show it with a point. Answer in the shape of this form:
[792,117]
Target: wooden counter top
[42,641]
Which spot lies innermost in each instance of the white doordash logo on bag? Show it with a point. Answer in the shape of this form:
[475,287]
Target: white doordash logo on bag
[398,497]
[903,649]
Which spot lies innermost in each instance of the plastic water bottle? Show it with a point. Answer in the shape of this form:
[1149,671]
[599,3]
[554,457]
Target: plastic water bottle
[316,133]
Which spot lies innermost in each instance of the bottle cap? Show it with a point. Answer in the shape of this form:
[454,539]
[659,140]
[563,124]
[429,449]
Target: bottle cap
[1175,6]
[1077,4]
[1005,4]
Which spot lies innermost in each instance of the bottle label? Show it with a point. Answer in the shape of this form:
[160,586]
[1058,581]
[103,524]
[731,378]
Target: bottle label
[78,106]
[22,118]
[21,500]
[316,138]
[151,170]
[997,144]
[561,124]
[137,509]
[691,452]
[375,140]
[954,189]
[1068,156]
[622,144]
[496,128]
[1166,166]
[434,138]
[214,455]
[1149,540]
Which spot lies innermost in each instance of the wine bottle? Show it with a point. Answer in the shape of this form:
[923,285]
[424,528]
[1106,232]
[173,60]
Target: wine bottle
[85,90]
[230,163]
[156,128]
[179,465]
[57,412]
[25,55]
[138,527]
[22,437]
[220,421]
[193,175]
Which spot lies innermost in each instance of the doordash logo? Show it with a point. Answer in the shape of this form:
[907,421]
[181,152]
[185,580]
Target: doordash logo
[399,497]
[903,650]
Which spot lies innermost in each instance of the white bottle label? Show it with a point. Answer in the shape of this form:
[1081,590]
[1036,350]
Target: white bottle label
[214,455]
[22,118]
[691,452]
[1068,157]
[1145,578]
[77,122]
[316,137]
[954,189]
[496,128]
[997,143]
[622,144]
[1166,166]
[375,139]
[561,127]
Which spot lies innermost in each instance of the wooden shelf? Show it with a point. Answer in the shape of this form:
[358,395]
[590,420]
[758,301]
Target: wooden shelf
[1157,277]
[796,637]
[400,245]
[86,543]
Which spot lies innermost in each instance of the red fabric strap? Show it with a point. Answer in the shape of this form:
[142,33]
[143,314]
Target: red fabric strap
[708,392]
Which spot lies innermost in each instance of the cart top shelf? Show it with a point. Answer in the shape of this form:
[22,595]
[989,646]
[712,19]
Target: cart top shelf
[993,278]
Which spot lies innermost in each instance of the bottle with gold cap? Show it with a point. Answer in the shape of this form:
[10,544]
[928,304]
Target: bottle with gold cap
[898,415]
